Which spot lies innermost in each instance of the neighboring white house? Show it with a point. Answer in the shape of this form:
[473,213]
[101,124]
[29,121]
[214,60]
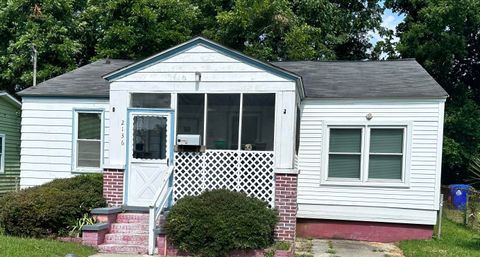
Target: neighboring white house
[363,138]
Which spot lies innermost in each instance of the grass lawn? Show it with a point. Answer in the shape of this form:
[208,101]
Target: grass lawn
[456,241]
[26,247]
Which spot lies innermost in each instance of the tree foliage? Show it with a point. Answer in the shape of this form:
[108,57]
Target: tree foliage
[71,33]
[444,36]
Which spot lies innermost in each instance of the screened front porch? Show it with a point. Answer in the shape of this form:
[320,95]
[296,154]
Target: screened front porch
[237,134]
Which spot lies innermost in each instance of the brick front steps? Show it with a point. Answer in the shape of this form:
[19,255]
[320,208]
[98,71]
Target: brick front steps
[129,234]
[117,232]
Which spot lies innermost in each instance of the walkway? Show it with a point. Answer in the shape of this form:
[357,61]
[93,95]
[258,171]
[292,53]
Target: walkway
[345,248]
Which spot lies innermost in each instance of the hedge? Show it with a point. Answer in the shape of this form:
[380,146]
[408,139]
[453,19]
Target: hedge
[220,221]
[48,210]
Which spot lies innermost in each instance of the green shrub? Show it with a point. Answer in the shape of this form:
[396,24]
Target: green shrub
[48,210]
[220,221]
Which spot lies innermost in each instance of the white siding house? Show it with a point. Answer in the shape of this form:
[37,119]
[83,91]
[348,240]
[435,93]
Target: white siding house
[48,132]
[415,200]
[350,141]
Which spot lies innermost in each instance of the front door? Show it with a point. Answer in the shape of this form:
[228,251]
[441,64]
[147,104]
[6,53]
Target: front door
[149,155]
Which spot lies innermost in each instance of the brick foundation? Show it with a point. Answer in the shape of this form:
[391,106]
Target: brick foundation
[286,204]
[167,249]
[113,186]
[365,231]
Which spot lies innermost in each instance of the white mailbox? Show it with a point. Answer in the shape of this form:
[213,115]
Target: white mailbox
[193,140]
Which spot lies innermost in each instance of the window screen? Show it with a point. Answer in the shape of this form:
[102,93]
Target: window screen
[89,139]
[386,153]
[222,121]
[345,153]
[258,121]
[190,113]
[150,100]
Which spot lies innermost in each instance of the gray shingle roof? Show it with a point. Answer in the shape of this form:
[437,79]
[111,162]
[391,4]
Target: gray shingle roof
[85,81]
[334,79]
[364,79]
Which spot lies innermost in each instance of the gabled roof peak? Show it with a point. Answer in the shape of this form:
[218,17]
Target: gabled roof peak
[190,44]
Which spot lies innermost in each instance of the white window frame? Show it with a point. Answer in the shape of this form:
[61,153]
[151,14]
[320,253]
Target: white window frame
[365,154]
[2,157]
[75,168]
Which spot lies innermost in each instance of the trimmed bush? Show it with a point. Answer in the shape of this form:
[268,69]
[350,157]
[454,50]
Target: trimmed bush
[48,210]
[220,221]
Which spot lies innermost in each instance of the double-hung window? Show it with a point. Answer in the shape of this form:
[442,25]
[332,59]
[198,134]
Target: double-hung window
[366,154]
[88,140]
[2,153]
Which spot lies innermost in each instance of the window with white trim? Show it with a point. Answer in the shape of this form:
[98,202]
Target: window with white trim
[2,153]
[88,140]
[366,153]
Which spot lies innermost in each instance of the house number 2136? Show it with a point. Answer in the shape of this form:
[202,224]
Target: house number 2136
[122,136]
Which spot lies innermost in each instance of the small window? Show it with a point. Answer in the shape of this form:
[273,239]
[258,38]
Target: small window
[149,137]
[222,121]
[2,153]
[258,121]
[150,100]
[386,153]
[89,140]
[190,113]
[345,153]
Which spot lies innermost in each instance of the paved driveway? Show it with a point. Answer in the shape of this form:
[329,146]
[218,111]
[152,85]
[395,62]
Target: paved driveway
[345,248]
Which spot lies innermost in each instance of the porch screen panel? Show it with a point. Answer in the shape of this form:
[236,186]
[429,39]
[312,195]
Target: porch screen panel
[89,140]
[222,121]
[386,153]
[344,159]
[190,114]
[258,122]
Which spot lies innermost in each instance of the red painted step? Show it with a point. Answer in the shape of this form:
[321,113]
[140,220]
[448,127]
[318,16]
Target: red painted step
[120,248]
[132,218]
[129,228]
[126,239]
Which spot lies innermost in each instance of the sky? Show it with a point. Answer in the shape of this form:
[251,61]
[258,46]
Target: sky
[390,20]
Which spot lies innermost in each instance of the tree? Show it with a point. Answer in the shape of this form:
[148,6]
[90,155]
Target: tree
[48,24]
[443,35]
[300,30]
[136,29]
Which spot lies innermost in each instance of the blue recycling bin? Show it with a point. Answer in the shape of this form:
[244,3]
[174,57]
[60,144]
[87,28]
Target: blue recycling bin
[459,194]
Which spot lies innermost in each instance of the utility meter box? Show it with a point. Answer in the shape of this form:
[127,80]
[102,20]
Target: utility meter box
[188,140]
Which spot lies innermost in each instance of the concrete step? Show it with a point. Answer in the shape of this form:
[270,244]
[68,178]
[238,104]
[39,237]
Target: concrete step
[132,218]
[126,239]
[129,228]
[117,248]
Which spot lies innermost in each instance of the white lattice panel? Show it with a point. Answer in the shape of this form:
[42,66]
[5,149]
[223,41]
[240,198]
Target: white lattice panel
[247,171]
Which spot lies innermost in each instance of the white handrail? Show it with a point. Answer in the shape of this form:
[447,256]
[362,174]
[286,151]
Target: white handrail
[155,209]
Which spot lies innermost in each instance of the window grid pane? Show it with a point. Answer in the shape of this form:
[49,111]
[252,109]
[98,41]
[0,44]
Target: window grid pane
[345,146]
[386,140]
[345,140]
[386,153]
[88,152]
[89,125]
[344,166]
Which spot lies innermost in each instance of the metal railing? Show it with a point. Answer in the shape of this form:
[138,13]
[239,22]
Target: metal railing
[162,199]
